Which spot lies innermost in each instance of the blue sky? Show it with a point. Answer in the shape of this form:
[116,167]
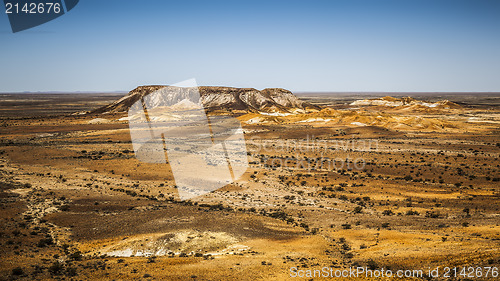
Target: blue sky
[349,45]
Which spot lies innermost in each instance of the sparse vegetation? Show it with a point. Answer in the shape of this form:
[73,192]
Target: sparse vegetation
[425,191]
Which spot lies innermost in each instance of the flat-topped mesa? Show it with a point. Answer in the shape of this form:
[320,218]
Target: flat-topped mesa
[216,98]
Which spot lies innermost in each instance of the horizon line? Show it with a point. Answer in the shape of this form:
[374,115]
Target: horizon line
[299,92]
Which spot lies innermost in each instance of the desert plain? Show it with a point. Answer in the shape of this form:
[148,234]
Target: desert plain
[359,180]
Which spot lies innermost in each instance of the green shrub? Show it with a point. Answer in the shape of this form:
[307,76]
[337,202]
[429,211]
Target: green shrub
[17,271]
[56,268]
[387,213]
[412,213]
[76,256]
[371,264]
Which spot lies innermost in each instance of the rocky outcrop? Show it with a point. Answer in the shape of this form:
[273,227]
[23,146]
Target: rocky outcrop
[218,99]
[123,104]
[406,102]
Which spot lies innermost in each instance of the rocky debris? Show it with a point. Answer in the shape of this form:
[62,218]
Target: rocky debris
[180,243]
[216,99]
[98,121]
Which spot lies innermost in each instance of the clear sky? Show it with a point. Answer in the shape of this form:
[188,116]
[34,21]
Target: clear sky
[344,45]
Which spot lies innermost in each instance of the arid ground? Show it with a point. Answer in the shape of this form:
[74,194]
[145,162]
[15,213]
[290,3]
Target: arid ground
[351,185]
